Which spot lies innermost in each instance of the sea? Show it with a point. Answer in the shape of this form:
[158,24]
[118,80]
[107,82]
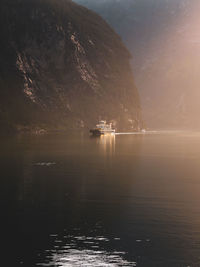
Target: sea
[115,200]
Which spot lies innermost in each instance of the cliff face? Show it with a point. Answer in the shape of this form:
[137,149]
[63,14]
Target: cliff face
[163,37]
[62,66]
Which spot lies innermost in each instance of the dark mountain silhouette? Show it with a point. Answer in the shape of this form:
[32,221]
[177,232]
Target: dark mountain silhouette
[62,67]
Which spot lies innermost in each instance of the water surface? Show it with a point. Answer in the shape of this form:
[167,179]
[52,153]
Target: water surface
[124,200]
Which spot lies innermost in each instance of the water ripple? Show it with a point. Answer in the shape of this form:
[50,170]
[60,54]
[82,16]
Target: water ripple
[84,251]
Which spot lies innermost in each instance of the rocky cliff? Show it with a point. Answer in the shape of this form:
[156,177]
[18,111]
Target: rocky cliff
[62,66]
[163,37]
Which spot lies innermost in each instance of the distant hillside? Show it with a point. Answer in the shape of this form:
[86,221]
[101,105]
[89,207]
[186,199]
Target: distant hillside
[62,67]
[163,37]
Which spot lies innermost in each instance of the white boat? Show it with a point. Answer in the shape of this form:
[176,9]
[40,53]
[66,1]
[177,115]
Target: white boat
[102,128]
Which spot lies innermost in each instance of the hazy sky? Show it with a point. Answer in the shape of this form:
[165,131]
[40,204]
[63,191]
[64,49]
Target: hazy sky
[164,39]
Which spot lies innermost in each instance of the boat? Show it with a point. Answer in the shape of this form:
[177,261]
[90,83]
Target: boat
[102,128]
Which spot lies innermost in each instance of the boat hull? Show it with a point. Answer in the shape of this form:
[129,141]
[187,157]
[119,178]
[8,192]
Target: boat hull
[98,132]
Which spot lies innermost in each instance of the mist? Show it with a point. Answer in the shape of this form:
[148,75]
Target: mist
[164,40]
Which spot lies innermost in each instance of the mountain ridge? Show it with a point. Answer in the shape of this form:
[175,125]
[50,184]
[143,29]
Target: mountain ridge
[63,67]
[163,38]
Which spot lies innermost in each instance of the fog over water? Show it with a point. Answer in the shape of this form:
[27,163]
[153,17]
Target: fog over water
[124,199]
[164,39]
[121,200]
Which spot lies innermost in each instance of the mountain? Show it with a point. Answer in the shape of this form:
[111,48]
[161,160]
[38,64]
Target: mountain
[163,38]
[62,67]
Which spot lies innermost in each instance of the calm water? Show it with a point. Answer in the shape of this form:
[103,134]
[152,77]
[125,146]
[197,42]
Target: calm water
[124,200]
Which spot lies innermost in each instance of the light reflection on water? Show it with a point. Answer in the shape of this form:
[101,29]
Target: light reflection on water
[124,200]
[75,257]
[107,143]
[84,251]
[80,250]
